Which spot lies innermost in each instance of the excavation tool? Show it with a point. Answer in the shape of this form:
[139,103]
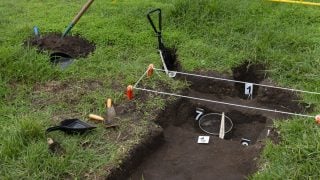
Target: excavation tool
[165,53]
[110,112]
[77,17]
[101,119]
[61,59]
[72,126]
[96,118]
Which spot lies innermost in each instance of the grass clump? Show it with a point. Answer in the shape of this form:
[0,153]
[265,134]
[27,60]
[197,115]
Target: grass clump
[26,132]
[303,152]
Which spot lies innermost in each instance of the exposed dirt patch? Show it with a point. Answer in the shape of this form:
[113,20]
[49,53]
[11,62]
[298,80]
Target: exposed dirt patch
[282,99]
[171,59]
[58,86]
[180,157]
[247,126]
[135,157]
[248,72]
[274,136]
[211,86]
[74,46]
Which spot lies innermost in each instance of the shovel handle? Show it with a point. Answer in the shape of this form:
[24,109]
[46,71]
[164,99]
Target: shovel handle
[82,11]
[78,16]
[157,31]
[160,20]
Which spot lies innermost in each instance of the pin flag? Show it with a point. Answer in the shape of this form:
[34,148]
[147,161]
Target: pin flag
[317,119]
[130,92]
[150,70]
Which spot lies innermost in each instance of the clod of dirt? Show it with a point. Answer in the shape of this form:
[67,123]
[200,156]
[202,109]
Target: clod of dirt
[248,72]
[74,46]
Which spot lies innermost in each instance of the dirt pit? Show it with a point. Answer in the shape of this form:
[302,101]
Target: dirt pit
[181,157]
[171,59]
[69,47]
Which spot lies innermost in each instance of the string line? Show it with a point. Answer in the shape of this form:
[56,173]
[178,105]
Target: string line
[231,80]
[225,103]
[136,84]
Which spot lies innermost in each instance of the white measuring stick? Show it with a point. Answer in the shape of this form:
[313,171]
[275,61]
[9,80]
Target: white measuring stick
[225,103]
[163,63]
[221,133]
[231,80]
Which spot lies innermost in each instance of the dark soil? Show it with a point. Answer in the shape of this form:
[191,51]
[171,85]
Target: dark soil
[171,59]
[147,146]
[74,46]
[181,157]
[248,72]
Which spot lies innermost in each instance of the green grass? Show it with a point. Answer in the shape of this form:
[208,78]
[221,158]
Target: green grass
[212,35]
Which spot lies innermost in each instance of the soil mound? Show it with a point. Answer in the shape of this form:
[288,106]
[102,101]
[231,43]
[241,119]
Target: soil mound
[74,46]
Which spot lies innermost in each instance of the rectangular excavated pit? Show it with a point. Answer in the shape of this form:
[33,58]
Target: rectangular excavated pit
[181,157]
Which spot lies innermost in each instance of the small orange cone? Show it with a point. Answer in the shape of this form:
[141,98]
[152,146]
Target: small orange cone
[317,118]
[130,92]
[150,70]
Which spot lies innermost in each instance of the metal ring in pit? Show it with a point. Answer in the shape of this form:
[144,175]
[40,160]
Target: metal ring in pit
[229,121]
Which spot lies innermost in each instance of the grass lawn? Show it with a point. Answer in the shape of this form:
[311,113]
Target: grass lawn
[209,34]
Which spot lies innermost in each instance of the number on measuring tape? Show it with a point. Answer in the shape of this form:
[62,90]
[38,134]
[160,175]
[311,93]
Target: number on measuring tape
[248,89]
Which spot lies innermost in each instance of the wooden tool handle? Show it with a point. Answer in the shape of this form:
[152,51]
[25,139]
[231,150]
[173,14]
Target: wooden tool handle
[96,117]
[83,10]
[109,103]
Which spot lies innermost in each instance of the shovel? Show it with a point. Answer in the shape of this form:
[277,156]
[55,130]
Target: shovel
[100,119]
[61,59]
[165,54]
[78,16]
[72,126]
